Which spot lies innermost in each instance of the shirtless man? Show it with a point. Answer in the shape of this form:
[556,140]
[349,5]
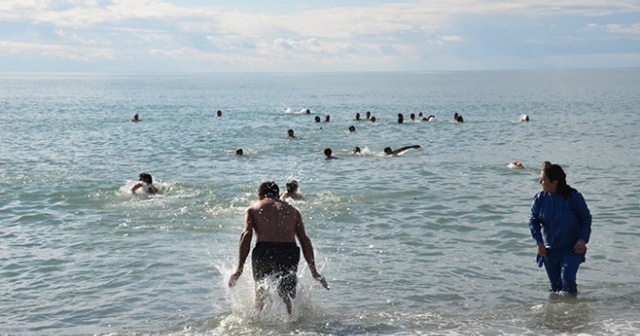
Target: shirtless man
[276,224]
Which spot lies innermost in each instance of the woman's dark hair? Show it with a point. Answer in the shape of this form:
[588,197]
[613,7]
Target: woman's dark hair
[555,173]
[145,177]
[292,186]
[269,189]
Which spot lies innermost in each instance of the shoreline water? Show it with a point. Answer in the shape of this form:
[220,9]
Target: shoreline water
[433,241]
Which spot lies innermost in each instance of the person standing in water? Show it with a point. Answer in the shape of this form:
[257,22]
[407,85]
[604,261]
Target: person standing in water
[560,224]
[277,225]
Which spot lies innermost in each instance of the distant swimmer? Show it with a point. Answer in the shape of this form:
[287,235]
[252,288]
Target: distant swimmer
[239,152]
[135,117]
[317,118]
[429,118]
[357,117]
[328,154]
[368,115]
[373,119]
[327,118]
[292,192]
[524,117]
[389,151]
[307,111]
[219,113]
[357,150]
[352,129]
[515,165]
[290,134]
[455,116]
[412,116]
[400,118]
[146,183]
[277,225]
[460,119]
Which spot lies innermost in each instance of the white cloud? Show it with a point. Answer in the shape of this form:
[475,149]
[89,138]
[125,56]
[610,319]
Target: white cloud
[363,35]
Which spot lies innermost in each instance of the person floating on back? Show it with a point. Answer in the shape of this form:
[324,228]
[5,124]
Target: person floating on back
[145,182]
[389,151]
[277,225]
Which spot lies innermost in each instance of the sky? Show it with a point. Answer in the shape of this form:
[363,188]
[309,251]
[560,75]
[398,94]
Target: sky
[196,36]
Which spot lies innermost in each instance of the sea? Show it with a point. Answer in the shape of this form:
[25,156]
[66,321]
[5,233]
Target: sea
[432,241]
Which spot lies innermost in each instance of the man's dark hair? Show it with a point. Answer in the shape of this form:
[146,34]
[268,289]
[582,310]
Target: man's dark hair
[269,189]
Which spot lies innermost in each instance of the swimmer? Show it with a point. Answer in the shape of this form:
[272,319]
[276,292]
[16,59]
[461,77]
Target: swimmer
[292,192]
[455,116]
[373,119]
[368,115]
[429,118]
[239,152]
[219,113]
[307,111]
[515,165]
[135,117]
[400,118]
[317,118]
[352,129]
[146,183]
[389,151]
[328,154]
[460,119]
[357,150]
[524,117]
[357,117]
[327,118]
[412,116]
[290,134]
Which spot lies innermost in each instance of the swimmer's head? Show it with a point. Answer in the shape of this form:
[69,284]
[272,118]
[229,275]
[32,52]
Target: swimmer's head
[317,118]
[387,150]
[328,152]
[269,189]
[239,152]
[145,177]
[219,113]
[135,116]
[292,186]
[290,132]
[352,128]
[357,150]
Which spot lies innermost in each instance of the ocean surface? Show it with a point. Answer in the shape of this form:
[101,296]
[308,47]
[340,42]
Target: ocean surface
[434,241]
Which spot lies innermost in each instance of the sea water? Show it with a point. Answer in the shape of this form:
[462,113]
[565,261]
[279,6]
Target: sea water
[434,241]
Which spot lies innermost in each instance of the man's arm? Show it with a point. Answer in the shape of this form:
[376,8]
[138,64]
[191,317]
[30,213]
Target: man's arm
[307,251]
[245,246]
[402,149]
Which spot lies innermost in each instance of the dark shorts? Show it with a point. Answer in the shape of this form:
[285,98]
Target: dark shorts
[279,260]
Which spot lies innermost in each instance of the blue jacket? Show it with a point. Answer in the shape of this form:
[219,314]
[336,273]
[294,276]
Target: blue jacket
[558,221]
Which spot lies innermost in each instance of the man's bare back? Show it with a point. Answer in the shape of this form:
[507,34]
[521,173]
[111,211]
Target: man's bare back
[273,221]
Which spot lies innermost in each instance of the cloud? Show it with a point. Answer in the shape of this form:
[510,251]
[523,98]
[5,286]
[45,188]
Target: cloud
[378,36]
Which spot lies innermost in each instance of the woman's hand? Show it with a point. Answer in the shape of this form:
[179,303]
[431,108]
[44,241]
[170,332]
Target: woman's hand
[580,247]
[542,250]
